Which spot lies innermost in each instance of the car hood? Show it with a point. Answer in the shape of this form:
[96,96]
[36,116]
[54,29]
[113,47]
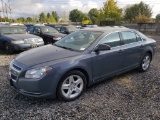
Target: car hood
[54,34]
[44,54]
[20,36]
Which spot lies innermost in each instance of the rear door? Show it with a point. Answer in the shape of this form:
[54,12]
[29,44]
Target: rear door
[106,63]
[132,46]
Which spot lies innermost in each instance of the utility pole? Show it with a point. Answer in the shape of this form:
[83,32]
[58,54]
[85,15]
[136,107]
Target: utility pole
[9,3]
[1,16]
[6,9]
[2,8]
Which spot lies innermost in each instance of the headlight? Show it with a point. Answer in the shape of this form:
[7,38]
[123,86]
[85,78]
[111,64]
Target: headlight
[56,38]
[37,72]
[17,41]
[40,40]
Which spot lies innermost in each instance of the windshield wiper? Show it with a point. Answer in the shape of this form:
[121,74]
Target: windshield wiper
[7,33]
[65,47]
[19,33]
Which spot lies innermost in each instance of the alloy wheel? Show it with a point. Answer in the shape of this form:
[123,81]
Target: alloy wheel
[72,86]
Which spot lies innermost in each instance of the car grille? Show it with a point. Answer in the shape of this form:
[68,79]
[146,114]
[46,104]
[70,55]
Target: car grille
[31,40]
[16,67]
[14,71]
[13,77]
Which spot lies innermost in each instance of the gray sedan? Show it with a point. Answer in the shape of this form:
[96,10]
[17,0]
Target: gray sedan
[16,39]
[78,60]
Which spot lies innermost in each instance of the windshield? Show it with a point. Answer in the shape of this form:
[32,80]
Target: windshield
[48,29]
[72,28]
[79,40]
[13,30]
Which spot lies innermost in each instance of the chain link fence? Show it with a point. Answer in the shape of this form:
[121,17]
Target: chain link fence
[151,28]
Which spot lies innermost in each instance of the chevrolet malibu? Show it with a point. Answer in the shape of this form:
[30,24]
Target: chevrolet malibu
[80,59]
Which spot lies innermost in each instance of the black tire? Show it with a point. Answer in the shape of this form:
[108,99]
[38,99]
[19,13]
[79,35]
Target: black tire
[66,78]
[7,48]
[142,68]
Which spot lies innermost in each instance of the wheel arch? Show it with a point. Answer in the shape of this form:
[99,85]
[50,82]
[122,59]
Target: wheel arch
[81,70]
[150,53]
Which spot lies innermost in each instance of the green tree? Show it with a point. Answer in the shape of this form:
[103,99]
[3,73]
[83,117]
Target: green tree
[20,20]
[133,11]
[29,19]
[76,15]
[48,15]
[55,15]
[34,20]
[110,10]
[42,17]
[158,18]
[93,14]
[51,19]
[142,19]
[84,16]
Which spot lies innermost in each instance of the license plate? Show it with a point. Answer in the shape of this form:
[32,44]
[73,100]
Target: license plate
[33,45]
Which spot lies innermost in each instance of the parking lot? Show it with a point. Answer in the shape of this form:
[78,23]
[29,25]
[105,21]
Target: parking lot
[131,96]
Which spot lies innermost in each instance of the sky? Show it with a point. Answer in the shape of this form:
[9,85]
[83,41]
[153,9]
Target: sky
[32,8]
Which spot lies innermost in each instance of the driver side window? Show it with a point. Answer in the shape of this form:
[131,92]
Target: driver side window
[36,30]
[63,29]
[112,40]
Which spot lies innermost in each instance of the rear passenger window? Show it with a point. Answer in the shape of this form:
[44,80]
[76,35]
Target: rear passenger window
[112,40]
[129,37]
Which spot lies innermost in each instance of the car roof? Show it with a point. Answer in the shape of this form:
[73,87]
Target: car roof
[107,29]
[7,26]
[41,26]
[68,26]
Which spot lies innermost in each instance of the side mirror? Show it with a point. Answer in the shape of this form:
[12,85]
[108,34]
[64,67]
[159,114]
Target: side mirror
[102,47]
[38,32]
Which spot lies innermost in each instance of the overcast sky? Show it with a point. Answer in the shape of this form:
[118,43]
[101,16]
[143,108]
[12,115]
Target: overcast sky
[32,8]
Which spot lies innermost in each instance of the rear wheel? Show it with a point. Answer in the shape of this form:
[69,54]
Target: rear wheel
[145,63]
[71,86]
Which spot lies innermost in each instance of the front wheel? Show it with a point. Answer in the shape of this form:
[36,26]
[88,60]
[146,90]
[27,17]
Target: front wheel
[71,86]
[145,63]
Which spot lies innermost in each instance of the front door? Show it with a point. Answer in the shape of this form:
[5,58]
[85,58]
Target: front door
[106,63]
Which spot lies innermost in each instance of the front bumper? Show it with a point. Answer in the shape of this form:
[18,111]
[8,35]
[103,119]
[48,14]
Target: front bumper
[19,47]
[30,88]
[44,87]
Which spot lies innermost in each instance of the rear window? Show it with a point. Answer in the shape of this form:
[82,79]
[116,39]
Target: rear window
[12,30]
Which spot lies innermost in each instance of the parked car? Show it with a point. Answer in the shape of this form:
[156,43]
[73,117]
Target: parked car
[28,25]
[57,27]
[16,39]
[78,27]
[68,29]
[18,25]
[49,34]
[78,60]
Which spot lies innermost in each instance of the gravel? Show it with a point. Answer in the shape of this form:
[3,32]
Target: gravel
[130,96]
